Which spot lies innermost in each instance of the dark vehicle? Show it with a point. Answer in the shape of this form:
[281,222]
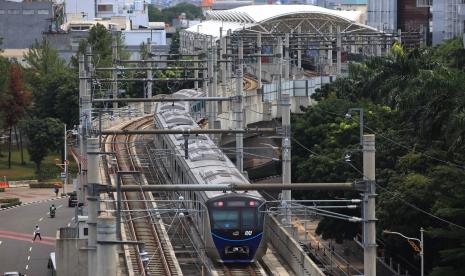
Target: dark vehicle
[72,199]
[52,213]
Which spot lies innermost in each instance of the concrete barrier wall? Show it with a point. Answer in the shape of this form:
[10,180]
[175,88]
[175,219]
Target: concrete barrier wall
[290,250]
[71,257]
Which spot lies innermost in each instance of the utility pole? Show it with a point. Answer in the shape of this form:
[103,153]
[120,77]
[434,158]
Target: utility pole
[369,213]
[92,199]
[214,85]
[238,109]
[210,85]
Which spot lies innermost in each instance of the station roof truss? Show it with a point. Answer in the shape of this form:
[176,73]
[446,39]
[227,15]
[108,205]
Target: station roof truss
[272,20]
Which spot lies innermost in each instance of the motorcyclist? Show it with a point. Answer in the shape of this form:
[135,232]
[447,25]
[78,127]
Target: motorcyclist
[52,210]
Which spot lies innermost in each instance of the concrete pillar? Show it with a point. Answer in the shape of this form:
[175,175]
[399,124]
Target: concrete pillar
[106,252]
[369,216]
[286,149]
[93,177]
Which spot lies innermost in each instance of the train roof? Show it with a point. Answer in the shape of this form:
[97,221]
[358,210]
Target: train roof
[205,160]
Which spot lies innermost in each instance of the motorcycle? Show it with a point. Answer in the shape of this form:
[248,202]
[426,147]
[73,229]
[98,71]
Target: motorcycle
[52,213]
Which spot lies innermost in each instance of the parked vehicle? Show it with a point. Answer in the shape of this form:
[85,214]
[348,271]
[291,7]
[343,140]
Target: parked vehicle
[72,199]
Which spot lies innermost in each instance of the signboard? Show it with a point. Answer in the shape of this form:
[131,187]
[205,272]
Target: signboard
[62,175]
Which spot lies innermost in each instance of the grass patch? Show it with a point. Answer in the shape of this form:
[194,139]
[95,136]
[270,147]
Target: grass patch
[27,171]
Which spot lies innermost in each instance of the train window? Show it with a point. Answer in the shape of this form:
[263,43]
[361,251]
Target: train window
[225,219]
[248,218]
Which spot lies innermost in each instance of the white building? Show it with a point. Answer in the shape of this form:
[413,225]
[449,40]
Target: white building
[135,11]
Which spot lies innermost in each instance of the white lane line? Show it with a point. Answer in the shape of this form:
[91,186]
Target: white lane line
[30,249]
[28,258]
[41,218]
[27,267]
[0,242]
[61,205]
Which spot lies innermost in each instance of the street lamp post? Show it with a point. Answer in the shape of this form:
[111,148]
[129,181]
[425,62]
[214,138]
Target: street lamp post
[420,241]
[349,116]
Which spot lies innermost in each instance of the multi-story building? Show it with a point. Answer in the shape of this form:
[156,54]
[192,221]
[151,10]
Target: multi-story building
[29,19]
[448,19]
[382,14]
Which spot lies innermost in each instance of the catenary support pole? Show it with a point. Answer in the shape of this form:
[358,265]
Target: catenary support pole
[65,162]
[369,215]
[259,60]
[92,199]
[238,109]
[299,51]
[114,55]
[287,61]
[106,252]
[148,105]
[338,49]
[214,86]
[286,148]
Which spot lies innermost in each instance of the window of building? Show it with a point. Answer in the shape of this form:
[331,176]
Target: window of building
[28,12]
[105,8]
[42,12]
[13,11]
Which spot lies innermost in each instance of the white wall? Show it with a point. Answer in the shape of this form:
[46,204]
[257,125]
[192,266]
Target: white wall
[136,37]
[78,6]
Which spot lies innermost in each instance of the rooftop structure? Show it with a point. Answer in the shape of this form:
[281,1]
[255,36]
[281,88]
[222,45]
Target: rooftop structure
[263,18]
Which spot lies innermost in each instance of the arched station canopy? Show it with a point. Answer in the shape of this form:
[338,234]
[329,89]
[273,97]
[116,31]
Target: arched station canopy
[269,19]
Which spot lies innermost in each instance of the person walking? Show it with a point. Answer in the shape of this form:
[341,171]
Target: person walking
[37,233]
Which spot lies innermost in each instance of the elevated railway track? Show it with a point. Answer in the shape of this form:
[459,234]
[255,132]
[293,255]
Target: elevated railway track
[140,225]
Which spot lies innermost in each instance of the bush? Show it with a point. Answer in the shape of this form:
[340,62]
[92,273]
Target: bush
[14,203]
[44,185]
[2,190]
[8,202]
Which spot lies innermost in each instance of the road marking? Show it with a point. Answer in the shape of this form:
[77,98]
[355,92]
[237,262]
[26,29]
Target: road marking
[30,249]
[41,218]
[27,267]
[0,242]
[28,258]
[69,224]
[61,205]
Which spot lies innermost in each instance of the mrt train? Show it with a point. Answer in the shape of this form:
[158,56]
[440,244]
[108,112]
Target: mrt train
[231,224]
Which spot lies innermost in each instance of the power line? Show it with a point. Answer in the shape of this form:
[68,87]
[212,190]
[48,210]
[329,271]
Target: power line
[386,190]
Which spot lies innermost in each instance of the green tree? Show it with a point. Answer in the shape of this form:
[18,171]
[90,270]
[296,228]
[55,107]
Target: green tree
[14,103]
[44,135]
[167,15]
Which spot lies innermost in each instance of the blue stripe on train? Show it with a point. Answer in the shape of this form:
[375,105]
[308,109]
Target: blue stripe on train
[252,243]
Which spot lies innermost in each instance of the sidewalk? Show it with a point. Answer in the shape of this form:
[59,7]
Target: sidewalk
[344,256]
[27,195]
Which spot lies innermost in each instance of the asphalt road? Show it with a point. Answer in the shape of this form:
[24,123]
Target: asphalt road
[17,250]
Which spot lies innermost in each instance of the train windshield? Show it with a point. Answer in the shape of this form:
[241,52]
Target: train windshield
[240,218]
[225,219]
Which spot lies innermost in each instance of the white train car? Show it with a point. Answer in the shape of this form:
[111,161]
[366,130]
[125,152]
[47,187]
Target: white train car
[231,224]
